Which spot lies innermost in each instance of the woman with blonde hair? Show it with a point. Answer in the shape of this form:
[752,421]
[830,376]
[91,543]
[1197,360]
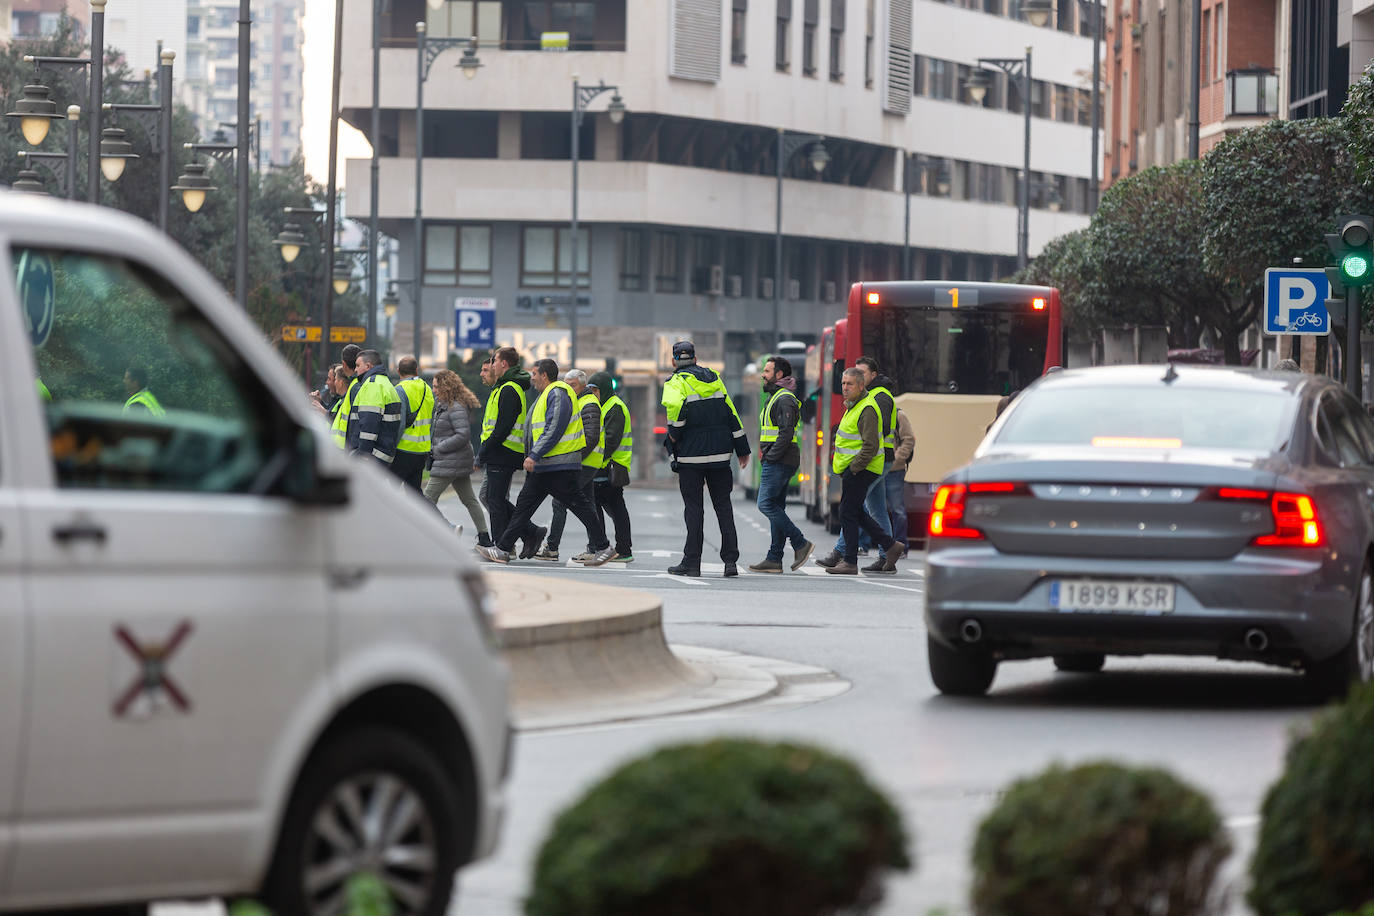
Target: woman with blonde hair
[451,447]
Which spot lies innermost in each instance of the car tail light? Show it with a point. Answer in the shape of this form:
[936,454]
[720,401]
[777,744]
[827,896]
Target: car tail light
[1295,517]
[1295,522]
[951,499]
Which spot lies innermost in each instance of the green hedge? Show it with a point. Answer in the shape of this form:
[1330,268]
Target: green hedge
[1315,852]
[1096,839]
[725,827]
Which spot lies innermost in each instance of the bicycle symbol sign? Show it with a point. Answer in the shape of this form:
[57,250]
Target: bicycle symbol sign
[1295,301]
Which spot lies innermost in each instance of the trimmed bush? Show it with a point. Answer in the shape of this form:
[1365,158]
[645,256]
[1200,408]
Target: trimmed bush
[1315,852]
[724,827]
[1099,839]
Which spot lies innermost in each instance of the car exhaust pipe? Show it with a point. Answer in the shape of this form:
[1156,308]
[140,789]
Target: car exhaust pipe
[1256,640]
[971,630]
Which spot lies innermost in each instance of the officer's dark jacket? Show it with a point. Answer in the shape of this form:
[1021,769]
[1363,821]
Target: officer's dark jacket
[704,431]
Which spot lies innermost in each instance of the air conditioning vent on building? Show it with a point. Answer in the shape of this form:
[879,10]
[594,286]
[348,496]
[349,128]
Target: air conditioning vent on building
[766,288]
[828,291]
[734,286]
[794,289]
[717,285]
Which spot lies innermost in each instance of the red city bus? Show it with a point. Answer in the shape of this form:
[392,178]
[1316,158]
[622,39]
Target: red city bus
[953,349]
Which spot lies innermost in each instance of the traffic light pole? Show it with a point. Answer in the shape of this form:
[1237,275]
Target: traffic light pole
[1352,341]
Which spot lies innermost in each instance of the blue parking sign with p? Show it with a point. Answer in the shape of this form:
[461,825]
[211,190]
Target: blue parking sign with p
[474,323]
[1295,301]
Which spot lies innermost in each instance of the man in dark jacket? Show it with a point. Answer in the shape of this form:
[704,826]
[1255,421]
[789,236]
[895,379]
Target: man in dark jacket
[779,457]
[503,444]
[553,465]
[704,433]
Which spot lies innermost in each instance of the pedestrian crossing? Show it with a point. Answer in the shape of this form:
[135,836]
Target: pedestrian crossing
[905,579]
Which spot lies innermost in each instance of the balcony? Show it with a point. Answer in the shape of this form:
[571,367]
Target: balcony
[1252,94]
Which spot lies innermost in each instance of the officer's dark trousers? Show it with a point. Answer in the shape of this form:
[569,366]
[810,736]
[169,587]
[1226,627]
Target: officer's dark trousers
[853,488]
[496,497]
[564,486]
[610,499]
[690,481]
[560,511]
[410,467]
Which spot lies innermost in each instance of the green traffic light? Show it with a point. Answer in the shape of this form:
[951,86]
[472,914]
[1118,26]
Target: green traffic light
[1355,265]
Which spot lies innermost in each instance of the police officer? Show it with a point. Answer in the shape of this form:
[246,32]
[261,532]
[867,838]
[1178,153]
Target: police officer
[417,412]
[503,444]
[589,412]
[779,457]
[374,423]
[553,467]
[614,475]
[140,398]
[703,432]
[858,460]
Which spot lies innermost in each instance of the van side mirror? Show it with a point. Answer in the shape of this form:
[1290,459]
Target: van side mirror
[836,376]
[302,480]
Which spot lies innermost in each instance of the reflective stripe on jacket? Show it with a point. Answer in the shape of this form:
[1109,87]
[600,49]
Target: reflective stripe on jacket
[703,425]
[624,451]
[147,401]
[849,443]
[515,439]
[374,424]
[415,437]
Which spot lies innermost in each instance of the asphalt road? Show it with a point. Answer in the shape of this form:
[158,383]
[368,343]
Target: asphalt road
[1221,726]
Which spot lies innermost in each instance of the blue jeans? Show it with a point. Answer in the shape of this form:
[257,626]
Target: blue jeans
[894,485]
[773,480]
[875,504]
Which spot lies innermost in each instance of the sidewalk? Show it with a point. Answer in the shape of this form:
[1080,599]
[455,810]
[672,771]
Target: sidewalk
[581,653]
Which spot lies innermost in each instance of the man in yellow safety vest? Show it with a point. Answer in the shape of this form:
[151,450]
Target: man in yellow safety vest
[614,475]
[417,412]
[141,400]
[858,460]
[779,457]
[552,465]
[503,444]
[594,443]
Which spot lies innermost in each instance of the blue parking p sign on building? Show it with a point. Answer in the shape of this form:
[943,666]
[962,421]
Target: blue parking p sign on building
[1295,301]
[474,323]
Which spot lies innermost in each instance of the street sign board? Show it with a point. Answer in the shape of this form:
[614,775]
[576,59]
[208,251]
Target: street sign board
[474,322]
[313,333]
[1295,301]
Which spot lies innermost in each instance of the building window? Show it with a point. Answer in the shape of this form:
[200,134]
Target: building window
[837,16]
[1065,20]
[457,255]
[782,59]
[941,80]
[918,75]
[704,257]
[1219,43]
[811,16]
[1065,104]
[632,259]
[544,247]
[992,6]
[464,19]
[868,46]
[739,12]
[667,263]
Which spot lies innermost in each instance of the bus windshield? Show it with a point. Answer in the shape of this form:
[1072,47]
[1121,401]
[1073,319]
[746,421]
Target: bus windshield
[989,349]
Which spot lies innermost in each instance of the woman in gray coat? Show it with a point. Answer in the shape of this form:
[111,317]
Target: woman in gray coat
[451,447]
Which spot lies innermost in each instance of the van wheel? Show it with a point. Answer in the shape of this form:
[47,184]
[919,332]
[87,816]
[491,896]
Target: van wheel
[959,673]
[1081,662]
[1354,663]
[373,801]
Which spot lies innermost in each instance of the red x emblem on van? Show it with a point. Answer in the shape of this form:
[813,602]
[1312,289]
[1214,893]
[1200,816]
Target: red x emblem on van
[153,680]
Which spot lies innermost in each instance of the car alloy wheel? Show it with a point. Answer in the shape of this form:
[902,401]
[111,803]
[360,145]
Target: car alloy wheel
[373,823]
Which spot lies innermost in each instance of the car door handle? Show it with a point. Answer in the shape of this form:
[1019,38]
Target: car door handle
[78,531]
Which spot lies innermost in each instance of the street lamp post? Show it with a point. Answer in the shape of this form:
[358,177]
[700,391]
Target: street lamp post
[788,145]
[426,51]
[241,222]
[67,177]
[373,207]
[156,122]
[978,83]
[582,96]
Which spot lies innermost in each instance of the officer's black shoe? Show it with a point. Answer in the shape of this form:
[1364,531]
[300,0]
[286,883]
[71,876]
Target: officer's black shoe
[532,544]
[682,569]
[731,571]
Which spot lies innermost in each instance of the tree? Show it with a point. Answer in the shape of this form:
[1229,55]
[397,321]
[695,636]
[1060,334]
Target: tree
[1062,264]
[1358,117]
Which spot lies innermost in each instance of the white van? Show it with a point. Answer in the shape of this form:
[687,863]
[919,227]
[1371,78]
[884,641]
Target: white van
[232,661]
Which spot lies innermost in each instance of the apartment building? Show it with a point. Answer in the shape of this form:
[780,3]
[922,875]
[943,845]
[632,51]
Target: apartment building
[678,202]
[37,18]
[209,75]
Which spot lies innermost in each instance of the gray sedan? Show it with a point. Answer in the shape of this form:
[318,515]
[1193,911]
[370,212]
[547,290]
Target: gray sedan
[1137,510]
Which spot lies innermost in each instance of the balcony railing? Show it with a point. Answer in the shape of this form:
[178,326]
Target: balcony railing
[1252,93]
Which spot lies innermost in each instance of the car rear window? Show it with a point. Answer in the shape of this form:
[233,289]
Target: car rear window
[1159,416]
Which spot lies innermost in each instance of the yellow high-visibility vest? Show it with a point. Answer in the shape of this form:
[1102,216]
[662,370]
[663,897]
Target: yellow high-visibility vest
[515,439]
[849,443]
[573,437]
